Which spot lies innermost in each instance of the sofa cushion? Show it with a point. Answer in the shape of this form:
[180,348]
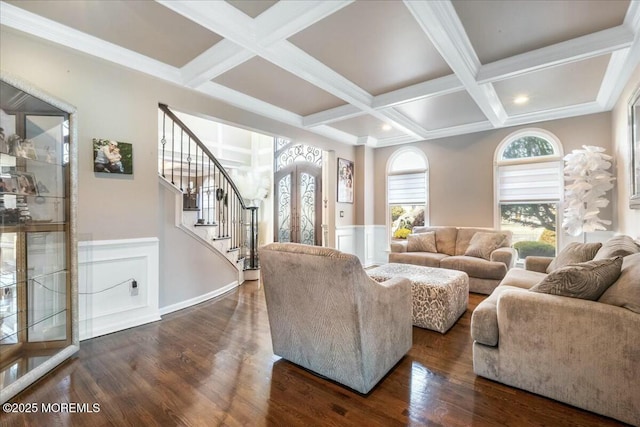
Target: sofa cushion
[574,253]
[625,292]
[521,278]
[445,238]
[465,234]
[422,242]
[483,243]
[475,267]
[617,246]
[426,259]
[587,280]
[484,319]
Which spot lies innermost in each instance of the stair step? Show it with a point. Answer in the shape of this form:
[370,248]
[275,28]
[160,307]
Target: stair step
[222,238]
[213,224]
[233,250]
[190,209]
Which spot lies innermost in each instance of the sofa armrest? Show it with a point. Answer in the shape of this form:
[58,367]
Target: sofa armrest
[504,255]
[399,246]
[537,263]
[580,352]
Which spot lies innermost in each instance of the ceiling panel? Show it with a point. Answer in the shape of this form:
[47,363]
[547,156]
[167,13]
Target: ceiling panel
[366,125]
[261,79]
[500,29]
[253,8]
[145,27]
[569,84]
[377,45]
[443,111]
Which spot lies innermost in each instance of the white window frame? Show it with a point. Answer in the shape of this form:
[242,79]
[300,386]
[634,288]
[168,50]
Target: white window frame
[389,172]
[499,161]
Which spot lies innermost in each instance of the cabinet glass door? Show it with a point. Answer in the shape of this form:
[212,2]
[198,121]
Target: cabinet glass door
[38,292]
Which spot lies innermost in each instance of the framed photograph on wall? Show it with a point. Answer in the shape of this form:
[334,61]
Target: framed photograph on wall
[345,181]
[634,134]
[111,156]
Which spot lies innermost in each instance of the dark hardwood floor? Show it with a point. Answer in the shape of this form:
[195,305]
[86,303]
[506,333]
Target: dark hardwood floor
[212,365]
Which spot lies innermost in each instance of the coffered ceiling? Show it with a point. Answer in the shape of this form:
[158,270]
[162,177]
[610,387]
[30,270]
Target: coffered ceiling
[365,72]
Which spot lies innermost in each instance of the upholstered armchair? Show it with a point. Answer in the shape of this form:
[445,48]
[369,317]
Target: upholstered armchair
[328,316]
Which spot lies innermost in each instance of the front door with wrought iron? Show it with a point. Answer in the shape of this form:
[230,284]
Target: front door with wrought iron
[298,193]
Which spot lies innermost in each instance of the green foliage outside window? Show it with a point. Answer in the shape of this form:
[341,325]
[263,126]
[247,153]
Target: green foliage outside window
[528,146]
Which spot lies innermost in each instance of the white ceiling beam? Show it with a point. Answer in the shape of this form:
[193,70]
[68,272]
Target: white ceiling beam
[404,121]
[227,21]
[439,21]
[286,18]
[429,89]
[622,63]
[578,49]
[270,111]
[30,23]
[331,115]
[555,113]
[218,59]
[279,22]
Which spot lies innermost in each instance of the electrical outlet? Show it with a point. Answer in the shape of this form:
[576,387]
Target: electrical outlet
[134,288]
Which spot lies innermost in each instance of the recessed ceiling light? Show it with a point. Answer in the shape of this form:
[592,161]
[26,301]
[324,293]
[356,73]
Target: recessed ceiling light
[386,127]
[521,99]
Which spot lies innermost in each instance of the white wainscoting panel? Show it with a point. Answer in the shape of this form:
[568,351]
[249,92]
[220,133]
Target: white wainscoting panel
[367,242]
[105,270]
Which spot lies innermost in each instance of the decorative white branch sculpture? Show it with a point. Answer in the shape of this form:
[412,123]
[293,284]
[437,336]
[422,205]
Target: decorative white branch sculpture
[253,186]
[588,171]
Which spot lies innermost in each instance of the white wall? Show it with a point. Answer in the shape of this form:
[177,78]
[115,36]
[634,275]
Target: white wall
[628,219]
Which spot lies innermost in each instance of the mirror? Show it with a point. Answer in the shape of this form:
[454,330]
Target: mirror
[634,132]
[38,267]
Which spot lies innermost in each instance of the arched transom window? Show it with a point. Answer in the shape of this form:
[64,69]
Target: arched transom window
[407,191]
[528,190]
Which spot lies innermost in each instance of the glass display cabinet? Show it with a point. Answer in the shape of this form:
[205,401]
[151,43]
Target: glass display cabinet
[38,280]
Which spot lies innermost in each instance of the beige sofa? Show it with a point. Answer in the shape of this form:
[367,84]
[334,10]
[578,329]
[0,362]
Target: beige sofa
[451,246]
[327,315]
[582,352]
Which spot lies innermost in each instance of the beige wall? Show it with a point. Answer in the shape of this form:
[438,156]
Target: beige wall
[461,168]
[116,103]
[628,219]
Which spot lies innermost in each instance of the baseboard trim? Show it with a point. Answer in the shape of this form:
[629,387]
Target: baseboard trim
[197,300]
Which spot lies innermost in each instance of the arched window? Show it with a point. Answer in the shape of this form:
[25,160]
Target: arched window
[528,190]
[407,191]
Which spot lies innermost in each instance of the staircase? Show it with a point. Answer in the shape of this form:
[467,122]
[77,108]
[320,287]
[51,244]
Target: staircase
[212,207]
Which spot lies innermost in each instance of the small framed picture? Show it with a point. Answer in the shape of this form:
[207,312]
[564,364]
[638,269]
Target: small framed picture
[111,156]
[345,181]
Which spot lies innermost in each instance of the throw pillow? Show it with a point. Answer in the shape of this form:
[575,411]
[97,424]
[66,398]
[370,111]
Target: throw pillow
[574,253]
[482,244]
[422,242]
[587,280]
[618,246]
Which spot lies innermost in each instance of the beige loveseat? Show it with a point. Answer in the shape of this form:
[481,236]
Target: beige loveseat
[327,315]
[582,352]
[486,267]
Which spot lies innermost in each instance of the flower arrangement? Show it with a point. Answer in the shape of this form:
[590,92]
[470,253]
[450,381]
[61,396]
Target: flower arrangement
[587,169]
[401,233]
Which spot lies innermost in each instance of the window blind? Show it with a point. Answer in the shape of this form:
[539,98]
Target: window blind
[533,181]
[410,188]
